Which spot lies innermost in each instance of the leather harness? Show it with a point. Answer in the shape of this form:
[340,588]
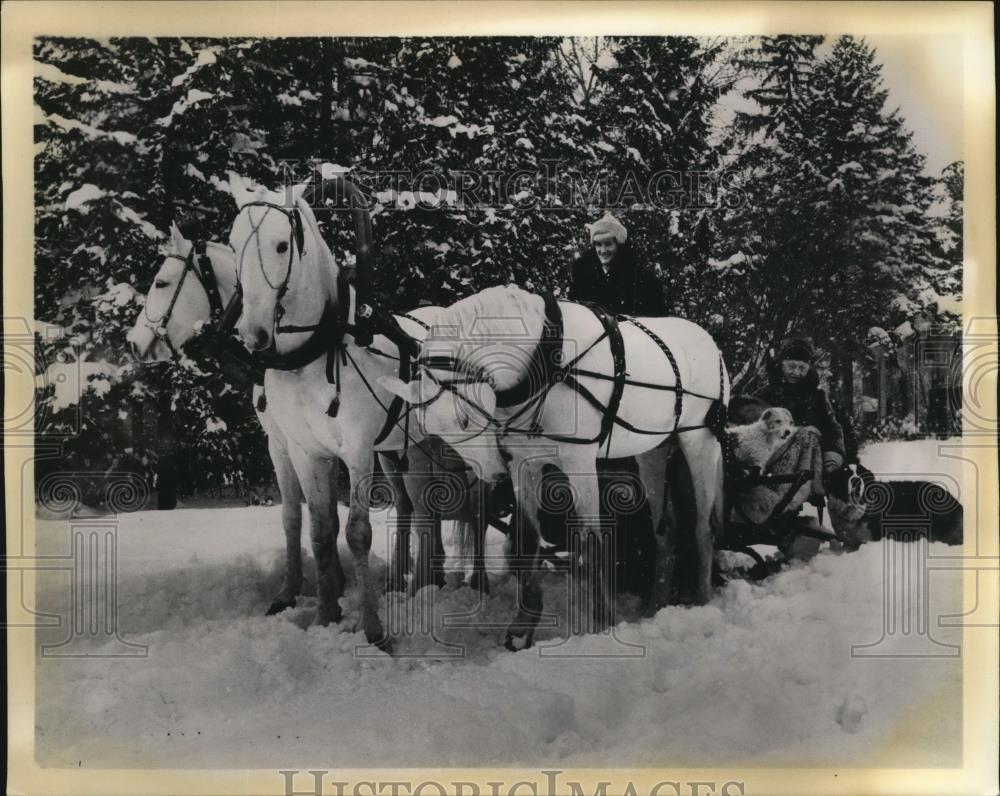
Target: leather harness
[546,360]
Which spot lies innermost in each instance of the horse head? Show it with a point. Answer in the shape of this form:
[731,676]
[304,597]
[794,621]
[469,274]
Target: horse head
[285,270]
[455,405]
[177,304]
[478,347]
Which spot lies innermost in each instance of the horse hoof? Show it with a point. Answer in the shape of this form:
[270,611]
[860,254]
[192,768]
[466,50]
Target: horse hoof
[381,640]
[325,618]
[280,604]
[416,586]
[515,642]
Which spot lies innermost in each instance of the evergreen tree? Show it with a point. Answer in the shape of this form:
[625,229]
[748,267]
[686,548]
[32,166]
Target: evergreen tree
[655,114]
[485,159]
[835,225]
[472,127]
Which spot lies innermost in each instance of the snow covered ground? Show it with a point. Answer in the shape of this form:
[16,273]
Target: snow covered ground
[763,675]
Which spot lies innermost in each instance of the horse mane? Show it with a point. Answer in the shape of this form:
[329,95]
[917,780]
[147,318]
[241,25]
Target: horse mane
[220,248]
[223,252]
[328,268]
[506,312]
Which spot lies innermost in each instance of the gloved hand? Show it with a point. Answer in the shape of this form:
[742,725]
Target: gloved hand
[832,461]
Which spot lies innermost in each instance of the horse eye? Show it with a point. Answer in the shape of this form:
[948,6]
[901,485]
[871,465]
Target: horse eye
[282,247]
[160,283]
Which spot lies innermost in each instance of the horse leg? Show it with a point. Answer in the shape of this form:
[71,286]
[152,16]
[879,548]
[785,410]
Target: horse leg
[653,476]
[399,564]
[475,523]
[291,520]
[522,546]
[420,483]
[470,533]
[597,542]
[359,539]
[523,560]
[317,479]
[704,457]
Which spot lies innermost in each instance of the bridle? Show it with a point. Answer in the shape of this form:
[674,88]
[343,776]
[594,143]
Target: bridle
[296,242]
[198,263]
[475,375]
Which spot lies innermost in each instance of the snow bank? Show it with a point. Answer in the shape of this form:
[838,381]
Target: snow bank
[762,675]
[918,460]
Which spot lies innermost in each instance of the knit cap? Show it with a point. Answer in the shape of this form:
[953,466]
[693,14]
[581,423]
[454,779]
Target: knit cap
[609,224]
[797,348]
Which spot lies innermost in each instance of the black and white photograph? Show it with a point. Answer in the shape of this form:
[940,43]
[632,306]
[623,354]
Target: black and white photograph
[536,403]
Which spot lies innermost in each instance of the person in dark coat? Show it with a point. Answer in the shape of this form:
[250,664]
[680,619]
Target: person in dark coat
[793,383]
[609,275]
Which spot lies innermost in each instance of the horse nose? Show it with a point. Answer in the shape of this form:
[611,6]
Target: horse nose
[255,340]
[136,349]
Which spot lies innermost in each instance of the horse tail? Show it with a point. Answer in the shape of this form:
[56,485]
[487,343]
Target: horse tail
[717,518]
[725,386]
[717,417]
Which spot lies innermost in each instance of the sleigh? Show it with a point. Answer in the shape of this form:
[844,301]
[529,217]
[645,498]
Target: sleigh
[794,534]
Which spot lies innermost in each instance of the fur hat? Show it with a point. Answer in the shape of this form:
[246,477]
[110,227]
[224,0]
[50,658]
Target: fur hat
[608,224]
[797,348]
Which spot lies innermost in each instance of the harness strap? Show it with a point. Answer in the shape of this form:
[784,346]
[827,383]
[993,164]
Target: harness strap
[395,409]
[408,347]
[616,420]
[679,387]
[617,345]
[646,385]
[426,326]
[311,350]
[206,275]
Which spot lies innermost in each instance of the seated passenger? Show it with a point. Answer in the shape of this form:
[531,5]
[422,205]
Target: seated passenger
[818,444]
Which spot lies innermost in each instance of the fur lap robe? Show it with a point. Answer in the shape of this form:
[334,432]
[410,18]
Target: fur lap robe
[802,451]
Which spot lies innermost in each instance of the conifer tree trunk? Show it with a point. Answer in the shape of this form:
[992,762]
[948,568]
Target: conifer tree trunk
[166,432]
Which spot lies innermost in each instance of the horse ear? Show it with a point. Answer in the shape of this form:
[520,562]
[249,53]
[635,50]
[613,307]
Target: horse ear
[462,415]
[297,192]
[409,391]
[177,241]
[238,188]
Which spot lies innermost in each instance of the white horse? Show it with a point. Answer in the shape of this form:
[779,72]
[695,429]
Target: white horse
[290,285]
[177,306]
[666,394]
